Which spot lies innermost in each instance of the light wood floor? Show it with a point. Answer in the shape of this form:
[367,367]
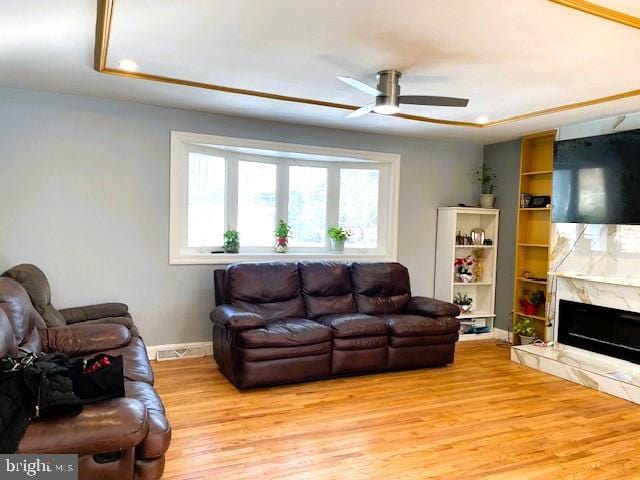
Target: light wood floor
[483,417]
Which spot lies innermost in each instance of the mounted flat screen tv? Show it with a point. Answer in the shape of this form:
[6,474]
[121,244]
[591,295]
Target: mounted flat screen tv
[597,179]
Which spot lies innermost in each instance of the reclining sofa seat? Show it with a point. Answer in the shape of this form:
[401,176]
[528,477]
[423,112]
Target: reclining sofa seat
[122,438]
[285,322]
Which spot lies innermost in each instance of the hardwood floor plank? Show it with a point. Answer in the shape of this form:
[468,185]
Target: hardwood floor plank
[483,417]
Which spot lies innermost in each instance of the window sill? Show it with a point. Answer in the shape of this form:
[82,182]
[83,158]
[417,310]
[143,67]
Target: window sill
[226,258]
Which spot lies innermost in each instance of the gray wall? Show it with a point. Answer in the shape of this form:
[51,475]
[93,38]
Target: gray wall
[85,195]
[504,159]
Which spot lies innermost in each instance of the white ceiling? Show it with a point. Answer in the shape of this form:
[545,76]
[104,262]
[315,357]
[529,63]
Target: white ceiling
[509,57]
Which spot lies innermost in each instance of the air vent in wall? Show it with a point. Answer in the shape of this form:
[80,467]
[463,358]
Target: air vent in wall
[169,352]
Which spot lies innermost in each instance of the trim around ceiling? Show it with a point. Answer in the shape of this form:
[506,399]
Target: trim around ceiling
[103,32]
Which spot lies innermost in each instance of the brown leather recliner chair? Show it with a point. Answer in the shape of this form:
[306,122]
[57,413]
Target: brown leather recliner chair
[118,439]
[290,322]
[37,286]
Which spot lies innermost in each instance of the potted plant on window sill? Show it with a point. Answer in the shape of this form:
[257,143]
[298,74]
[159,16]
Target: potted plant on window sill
[525,330]
[338,236]
[487,181]
[283,232]
[231,242]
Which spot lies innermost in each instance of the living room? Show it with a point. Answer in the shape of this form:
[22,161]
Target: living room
[321,239]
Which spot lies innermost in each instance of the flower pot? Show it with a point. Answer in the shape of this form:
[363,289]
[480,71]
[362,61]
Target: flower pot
[524,340]
[337,245]
[487,200]
[529,308]
[465,277]
[466,308]
[231,247]
[282,245]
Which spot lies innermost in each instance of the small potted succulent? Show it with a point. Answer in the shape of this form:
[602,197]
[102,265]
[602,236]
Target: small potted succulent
[231,241]
[283,232]
[338,236]
[487,180]
[531,301]
[465,302]
[525,330]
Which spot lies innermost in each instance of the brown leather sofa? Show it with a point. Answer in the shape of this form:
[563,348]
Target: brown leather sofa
[282,322]
[118,439]
[35,282]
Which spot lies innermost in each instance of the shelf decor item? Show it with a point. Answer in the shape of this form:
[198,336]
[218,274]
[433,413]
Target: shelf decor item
[477,236]
[487,180]
[479,270]
[283,232]
[464,301]
[338,236]
[531,301]
[231,242]
[525,330]
[464,269]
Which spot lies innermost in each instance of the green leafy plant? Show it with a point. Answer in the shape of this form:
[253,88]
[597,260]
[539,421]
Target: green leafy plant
[231,242]
[524,326]
[487,179]
[537,298]
[339,234]
[283,230]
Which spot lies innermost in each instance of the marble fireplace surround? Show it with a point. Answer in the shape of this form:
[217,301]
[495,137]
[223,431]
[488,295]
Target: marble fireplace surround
[607,374]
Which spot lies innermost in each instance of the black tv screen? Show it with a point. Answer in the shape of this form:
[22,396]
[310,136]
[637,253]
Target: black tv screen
[597,179]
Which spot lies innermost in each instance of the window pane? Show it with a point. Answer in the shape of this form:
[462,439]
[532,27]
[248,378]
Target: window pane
[308,206]
[256,203]
[205,218]
[359,206]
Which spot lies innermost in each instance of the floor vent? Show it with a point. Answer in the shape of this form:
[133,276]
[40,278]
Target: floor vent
[169,352]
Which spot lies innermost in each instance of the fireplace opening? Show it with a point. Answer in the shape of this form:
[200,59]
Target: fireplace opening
[603,330]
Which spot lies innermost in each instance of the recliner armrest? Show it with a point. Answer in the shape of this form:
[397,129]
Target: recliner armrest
[94,312]
[102,427]
[82,339]
[236,318]
[430,307]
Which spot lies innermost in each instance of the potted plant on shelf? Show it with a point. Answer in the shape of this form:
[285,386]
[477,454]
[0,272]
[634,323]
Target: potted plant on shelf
[464,269]
[465,302]
[231,242]
[487,180]
[283,232]
[525,330]
[531,301]
[338,236]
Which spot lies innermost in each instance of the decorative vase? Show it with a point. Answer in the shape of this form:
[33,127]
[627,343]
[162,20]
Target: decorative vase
[337,246]
[487,200]
[524,340]
[466,308]
[282,244]
[529,308]
[465,277]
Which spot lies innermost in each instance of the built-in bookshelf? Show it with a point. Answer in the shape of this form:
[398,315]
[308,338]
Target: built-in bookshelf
[534,228]
[453,223]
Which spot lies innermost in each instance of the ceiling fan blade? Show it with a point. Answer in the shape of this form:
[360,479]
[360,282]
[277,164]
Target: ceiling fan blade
[362,111]
[434,101]
[363,87]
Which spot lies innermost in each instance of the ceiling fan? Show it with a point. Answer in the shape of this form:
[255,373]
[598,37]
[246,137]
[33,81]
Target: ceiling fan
[388,98]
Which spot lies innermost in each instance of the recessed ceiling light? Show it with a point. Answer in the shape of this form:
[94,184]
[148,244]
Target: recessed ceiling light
[128,65]
[482,119]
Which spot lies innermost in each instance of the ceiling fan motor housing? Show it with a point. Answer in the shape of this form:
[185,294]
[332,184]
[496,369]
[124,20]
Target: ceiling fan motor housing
[388,84]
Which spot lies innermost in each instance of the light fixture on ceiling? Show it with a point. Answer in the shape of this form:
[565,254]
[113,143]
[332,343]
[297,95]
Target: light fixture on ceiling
[482,119]
[128,65]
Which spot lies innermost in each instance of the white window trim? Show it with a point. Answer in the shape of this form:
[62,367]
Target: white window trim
[183,142]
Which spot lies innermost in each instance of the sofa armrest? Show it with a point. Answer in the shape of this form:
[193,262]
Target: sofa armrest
[82,339]
[118,424]
[430,307]
[94,312]
[235,318]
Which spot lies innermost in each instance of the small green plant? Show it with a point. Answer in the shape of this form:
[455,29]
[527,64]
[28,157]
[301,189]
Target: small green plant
[231,242]
[524,326]
[338,233]
[462,300]
[487,179]
[537,298]
[283,230]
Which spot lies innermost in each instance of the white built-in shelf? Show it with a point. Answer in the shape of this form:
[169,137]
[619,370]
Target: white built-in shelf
[452,220]
[465,337]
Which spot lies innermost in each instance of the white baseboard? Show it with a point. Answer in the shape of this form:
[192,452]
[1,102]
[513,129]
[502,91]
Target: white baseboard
[152,351]
[503,334]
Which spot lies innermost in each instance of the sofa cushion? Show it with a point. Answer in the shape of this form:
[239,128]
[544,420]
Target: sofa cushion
[326,288]
[274,353]
[359,343]
[422,340]
[380,287]
[158,438]
[400,325]
[272,290]
[289,332]
[22,317]
[347,325]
